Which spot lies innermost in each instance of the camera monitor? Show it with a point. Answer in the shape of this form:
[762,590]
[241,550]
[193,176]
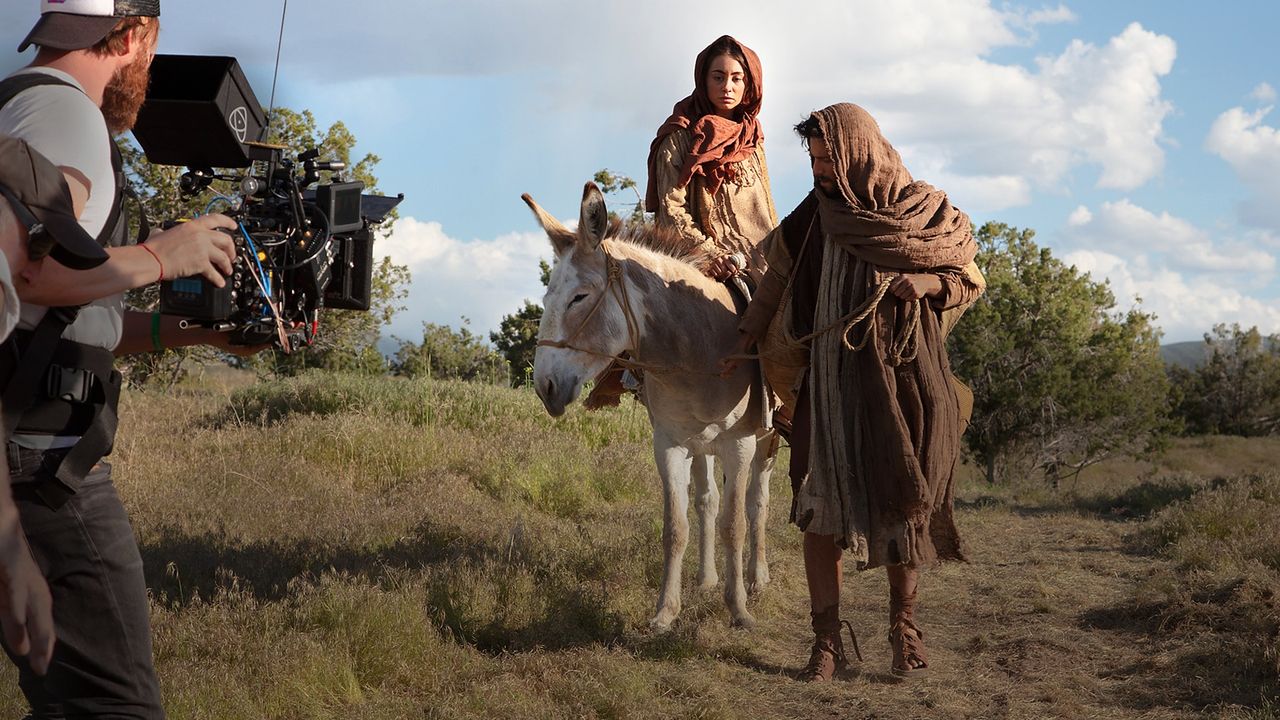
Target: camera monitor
[199,112]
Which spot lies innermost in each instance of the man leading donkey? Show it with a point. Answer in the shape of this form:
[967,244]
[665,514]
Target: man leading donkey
[870,271]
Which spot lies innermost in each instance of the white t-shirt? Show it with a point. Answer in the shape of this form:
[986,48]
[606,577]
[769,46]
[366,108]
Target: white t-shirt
[64,125]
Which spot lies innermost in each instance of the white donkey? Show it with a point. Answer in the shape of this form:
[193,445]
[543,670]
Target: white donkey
[615,295]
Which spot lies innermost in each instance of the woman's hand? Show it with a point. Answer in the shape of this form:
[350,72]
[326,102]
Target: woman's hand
[722,268]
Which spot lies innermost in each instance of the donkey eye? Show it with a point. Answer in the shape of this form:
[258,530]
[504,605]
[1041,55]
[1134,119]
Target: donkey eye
[576,298]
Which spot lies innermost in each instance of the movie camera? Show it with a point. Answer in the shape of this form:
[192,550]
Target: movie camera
[301,244]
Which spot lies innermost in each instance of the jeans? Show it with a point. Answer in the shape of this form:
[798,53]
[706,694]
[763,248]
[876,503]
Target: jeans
[102,666]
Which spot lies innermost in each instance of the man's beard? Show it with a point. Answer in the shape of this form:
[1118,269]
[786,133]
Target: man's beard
[831,190]
[125,93]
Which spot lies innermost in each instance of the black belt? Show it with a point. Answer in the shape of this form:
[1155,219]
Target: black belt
[33,475]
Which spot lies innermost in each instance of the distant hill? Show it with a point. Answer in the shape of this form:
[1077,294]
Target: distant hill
[1190,354]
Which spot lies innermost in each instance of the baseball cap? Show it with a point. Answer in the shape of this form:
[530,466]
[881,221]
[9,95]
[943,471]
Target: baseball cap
[78,24]
[38,194]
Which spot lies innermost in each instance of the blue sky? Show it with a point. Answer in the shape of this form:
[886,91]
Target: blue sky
[1137,138]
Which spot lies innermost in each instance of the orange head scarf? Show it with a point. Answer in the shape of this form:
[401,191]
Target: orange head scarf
[716,142]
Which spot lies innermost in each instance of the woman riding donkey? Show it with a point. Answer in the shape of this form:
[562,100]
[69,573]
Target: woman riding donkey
[708,180]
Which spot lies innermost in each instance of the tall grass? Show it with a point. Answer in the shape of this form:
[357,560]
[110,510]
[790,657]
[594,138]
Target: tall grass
[1226,543]
[334,546]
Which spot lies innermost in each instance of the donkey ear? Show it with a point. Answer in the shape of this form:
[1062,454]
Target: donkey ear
[562,238]
[594,218]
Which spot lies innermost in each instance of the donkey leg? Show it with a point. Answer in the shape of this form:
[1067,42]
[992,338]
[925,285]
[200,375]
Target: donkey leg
[673,464]
[733,530]
[758,515]
[707,502]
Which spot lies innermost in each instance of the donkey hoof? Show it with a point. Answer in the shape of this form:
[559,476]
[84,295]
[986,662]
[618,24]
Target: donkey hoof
[743,622]
[660,624]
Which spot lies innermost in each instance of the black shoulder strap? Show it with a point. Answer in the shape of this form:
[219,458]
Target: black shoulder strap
[115,230]
[11,87]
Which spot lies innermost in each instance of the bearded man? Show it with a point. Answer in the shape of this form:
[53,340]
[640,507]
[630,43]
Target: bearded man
[865,278]
[86,84]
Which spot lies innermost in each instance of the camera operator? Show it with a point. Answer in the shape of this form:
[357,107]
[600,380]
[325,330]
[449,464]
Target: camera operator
[86,84]
[36,219]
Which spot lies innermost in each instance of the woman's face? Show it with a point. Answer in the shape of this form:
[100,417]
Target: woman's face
[726,84]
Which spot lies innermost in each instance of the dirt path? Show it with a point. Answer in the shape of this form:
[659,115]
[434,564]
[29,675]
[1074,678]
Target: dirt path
[1039,624]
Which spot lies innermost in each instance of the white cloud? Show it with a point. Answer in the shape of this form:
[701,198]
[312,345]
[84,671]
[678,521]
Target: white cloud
[1253,151]
[1130,230]
[1044,16]
[1094,106]
[1264,93]
[481,280]
[1190,279]
[976,193]
[1186,306]
[993,130]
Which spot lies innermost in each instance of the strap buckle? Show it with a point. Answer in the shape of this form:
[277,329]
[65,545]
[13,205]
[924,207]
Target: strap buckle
[69,384]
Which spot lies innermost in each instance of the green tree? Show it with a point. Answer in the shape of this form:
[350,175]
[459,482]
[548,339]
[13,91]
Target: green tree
[348,339]
[1061,378]
[613,184]
[517,335]
[1237,389]
[448,354]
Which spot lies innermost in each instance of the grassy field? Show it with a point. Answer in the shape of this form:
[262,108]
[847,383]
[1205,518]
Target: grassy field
[343,547]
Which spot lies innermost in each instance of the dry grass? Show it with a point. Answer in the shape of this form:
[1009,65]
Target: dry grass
[339,547]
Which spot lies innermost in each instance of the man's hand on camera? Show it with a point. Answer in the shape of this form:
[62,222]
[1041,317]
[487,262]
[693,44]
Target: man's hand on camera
[196,247]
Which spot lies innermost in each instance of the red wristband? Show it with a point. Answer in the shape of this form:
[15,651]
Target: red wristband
[157,257]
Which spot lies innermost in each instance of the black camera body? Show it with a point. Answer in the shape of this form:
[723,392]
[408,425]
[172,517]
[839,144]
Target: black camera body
[301,244]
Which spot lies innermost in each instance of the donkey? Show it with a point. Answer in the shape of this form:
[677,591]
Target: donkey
[611,293]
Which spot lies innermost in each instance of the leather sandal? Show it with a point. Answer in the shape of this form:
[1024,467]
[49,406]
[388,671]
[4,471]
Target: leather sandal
[906,638]
[908,645]
[827,655]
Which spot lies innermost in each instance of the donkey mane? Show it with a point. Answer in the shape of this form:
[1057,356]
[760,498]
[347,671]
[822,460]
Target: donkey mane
[662,240]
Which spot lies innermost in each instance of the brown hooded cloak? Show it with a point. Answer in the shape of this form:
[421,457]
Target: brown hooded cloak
[884,420]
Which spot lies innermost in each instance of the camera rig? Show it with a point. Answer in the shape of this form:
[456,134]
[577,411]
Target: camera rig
[301,244]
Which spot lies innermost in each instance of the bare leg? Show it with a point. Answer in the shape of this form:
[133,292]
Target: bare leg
[822,569]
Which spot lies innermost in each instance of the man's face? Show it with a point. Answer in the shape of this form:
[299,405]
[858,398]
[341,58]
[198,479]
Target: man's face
[127,89]
[824,170]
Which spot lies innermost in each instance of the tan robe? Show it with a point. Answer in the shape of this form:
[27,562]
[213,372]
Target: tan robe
[732,220]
